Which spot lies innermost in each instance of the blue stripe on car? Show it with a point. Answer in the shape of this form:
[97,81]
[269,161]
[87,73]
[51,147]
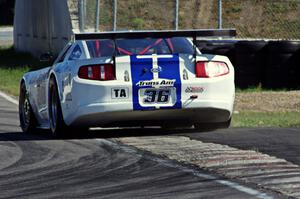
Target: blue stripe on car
[170,70]
[141,71]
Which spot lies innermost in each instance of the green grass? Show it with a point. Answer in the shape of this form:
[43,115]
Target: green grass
[257,89]
[266,119]
[13,65]
[10,78]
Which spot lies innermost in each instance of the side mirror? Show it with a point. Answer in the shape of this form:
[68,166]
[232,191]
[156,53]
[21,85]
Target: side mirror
[46,57]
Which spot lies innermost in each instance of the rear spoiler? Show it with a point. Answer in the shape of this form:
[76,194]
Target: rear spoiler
[157,34]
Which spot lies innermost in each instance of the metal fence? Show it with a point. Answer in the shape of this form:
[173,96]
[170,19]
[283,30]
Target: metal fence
[279,19]
[273,19]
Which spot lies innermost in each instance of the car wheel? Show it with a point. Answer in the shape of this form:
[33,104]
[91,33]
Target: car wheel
[212,126]
[57,124]
[225,125]
[27,119]
[172,126]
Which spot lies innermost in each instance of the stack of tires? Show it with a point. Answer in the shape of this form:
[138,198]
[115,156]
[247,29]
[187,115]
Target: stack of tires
[217,47]
[283,65]
[249,63]
[273,64]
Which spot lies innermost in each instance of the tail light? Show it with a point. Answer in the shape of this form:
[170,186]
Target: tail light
[211,69]
[100,72]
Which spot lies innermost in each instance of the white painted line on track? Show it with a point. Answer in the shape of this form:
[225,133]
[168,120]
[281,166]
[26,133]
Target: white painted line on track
[166,162]
[244,189]
[9,98]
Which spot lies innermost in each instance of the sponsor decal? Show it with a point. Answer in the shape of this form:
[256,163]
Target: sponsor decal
[119,93]
[194,89]
[159,82]
[156,70]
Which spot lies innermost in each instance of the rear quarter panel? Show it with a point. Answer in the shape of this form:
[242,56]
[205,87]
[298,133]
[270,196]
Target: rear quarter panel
[36,84]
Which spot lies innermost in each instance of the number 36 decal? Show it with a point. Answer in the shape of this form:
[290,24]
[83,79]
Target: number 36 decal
[157,96]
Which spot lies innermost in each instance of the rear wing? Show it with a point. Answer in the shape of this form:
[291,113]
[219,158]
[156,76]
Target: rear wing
[194,34]
[157,34]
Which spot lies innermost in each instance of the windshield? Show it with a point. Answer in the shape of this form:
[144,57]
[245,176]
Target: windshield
[102,48]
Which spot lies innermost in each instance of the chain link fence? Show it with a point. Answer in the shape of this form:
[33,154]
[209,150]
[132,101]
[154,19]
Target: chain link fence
[272,19]
[275,19]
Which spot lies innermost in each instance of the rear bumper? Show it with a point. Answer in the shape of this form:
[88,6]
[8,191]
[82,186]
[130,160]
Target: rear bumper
[97,115]
[93,104]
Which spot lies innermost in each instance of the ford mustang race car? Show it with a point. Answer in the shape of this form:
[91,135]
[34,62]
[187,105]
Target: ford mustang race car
[110,79]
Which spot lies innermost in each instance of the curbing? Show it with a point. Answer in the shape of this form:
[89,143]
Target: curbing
[248,166]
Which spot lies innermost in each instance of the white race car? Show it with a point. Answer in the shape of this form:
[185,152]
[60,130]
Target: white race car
[109,79]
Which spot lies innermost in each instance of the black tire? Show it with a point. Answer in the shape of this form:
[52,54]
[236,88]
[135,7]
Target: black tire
[282,65]
[57,125]
[283,46]
[28,121]
[172,126]
[250,46]
[212,126]
[225,48]
[224,125]
[249,63]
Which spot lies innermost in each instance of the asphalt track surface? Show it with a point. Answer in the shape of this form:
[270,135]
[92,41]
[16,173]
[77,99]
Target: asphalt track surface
[95,166]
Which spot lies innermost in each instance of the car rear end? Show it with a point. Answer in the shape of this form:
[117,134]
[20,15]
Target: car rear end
[152,87]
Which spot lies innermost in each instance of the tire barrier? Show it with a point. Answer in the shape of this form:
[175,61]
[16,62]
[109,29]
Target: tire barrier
[273,64]
[249,63]
[218,47]
[283,65]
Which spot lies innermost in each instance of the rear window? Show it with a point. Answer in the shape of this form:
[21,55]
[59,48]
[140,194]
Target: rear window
[104,48]
[100,48]
[182,45]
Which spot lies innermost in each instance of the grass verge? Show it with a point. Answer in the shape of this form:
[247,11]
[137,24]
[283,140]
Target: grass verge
[266,119]
[13,65]
[10,78]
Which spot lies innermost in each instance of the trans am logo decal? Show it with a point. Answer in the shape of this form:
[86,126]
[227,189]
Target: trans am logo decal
[155,71]
[161,82]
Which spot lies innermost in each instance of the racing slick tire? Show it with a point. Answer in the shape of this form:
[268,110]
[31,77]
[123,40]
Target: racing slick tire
[212,126]
[28,121]
[58,126]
